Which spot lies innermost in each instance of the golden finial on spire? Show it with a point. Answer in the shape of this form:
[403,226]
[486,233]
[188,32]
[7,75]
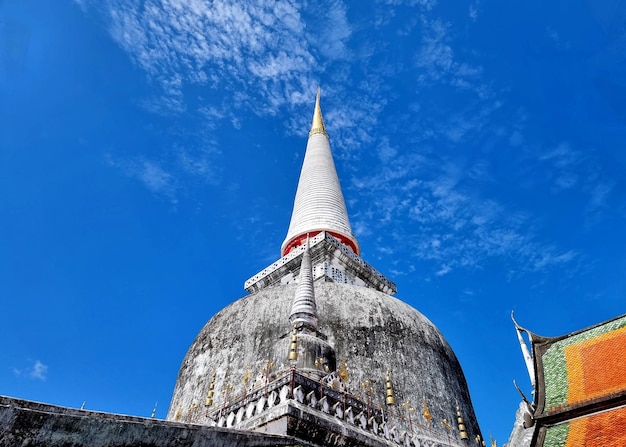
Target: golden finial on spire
[390,399]
[343,372]
[293,348]
[209,395]
[459,418]
[322,364]
[318,122]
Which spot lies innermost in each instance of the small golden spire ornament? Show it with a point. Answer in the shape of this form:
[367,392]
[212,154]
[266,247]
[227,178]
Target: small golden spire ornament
[426,412]
[390,399]
[367,387]
[445,424]
[322,364]
[343,372]
[209,395]
[459,418]
[293,347]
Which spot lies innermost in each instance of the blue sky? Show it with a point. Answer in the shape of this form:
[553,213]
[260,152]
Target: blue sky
[149,155]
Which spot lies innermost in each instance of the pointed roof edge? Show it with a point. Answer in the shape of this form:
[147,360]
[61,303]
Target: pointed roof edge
[528,357]
[317,126]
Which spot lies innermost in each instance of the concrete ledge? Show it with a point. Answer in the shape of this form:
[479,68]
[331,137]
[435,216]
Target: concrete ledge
[32,424]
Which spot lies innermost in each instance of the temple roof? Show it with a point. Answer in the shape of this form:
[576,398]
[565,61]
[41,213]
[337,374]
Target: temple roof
[580,394]
[319,204]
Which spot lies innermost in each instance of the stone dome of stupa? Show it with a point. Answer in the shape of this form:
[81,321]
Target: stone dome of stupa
[372,331]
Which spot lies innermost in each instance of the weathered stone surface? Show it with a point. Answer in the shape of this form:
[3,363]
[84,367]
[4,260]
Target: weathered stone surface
[373,331]
[31,424]
[520,436]
[331,259]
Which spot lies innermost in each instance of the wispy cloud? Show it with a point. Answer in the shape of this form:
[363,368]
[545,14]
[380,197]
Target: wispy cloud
[258,57]
[39,371]
[473,10]
[150,173]
[451,223]
[566,168]
[260,47]
[36,371]
[437,60]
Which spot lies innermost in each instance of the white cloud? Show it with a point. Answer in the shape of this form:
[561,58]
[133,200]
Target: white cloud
[260,45]
[424,3]
[445,220]
[473,11]
[445,269]
[437,60]
[150,173]
[562,156]
[567,168]
[36,371]
[39,371]
[436,56]
[264,57]
[600,193]
[154,177]
[256,57]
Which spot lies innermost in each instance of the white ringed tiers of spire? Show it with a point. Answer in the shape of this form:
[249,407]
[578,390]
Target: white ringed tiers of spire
[304,309]
[319,204]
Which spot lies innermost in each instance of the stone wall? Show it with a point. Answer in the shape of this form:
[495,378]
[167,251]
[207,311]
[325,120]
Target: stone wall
[520,436]
[31,424]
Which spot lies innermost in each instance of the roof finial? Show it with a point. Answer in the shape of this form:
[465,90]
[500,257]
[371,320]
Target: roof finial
[528,359]
[293,347]
[317,126]
[390,398]
[459,419]
[209,395]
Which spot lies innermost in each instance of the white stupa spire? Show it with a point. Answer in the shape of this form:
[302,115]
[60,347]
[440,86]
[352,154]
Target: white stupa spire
[319,204]
[304,309]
